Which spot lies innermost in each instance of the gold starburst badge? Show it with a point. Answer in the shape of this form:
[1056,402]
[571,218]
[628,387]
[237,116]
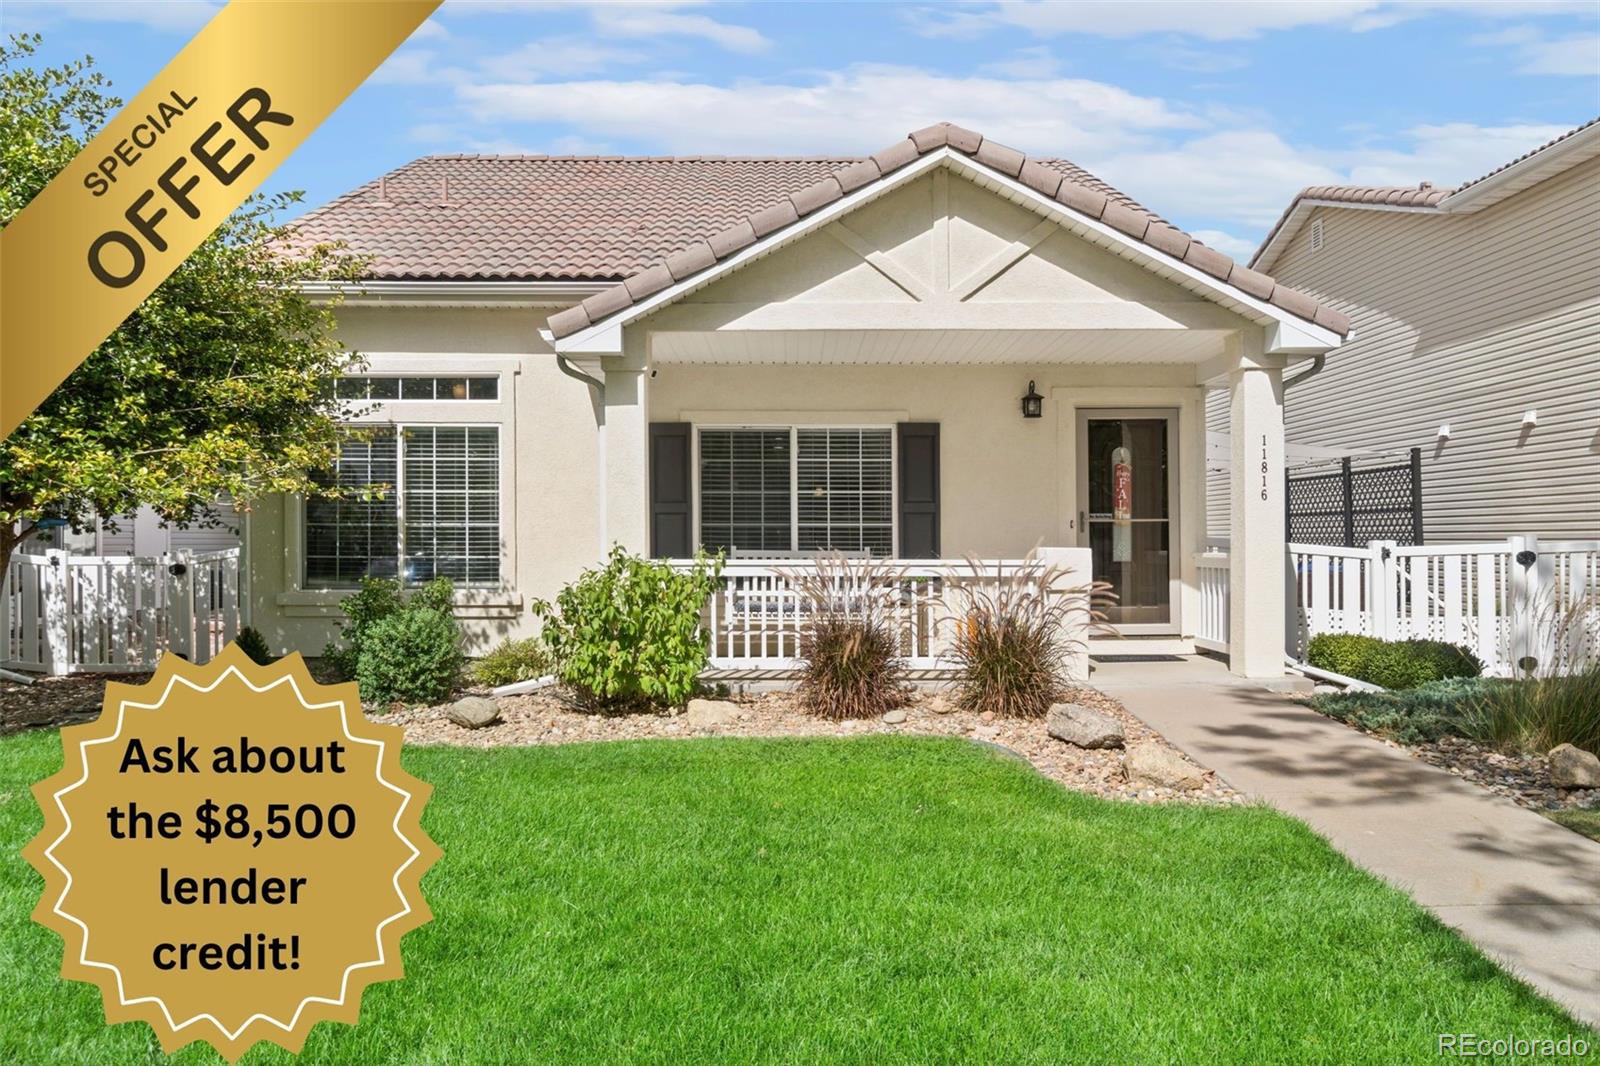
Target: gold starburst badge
[232,853]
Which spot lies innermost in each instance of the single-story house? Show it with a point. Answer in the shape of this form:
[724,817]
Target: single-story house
[1476,315]
[946,349]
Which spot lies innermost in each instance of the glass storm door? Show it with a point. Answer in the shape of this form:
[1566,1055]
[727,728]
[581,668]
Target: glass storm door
[1127,460]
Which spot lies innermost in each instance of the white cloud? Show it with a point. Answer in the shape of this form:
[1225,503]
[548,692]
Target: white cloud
[1033,62]
[860,109]
[633,19]
[1238,247]
[175,16]
[1224,20]
[655,20]
[1535,53]
[1221,21]
[561,57]
[1247,177]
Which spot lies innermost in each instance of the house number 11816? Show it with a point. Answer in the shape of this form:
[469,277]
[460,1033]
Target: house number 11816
[1263,466]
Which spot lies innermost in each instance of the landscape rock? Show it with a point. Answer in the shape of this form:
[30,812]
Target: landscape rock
[894,717]
[1151,763]
[1078,725]
[942,704]
[711,714]
[473,712]
[1572,767]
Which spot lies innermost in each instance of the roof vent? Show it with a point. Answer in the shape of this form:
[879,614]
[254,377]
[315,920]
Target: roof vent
[1316,235]
[383,191]
[1424,186]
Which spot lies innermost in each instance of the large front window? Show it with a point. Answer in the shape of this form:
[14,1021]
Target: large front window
[439,515]
[797,489]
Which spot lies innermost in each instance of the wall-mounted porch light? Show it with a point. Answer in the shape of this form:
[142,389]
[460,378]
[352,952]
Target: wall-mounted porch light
[1032,404]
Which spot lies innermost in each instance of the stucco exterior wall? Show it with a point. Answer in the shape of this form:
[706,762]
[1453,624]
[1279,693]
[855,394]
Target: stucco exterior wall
[549,471]
[939,302]
[1007,483]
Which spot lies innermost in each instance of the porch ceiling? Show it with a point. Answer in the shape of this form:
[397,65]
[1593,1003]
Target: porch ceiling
[943,347]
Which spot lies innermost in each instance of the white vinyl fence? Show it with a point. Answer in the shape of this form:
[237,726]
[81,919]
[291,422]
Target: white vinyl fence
[116,613]
[1518,604]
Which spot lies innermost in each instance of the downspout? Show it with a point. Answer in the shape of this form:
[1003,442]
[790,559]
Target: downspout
[1317,363]
[599,388]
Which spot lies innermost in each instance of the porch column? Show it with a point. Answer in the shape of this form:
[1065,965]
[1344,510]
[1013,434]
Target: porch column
[1256,553]
[626,444]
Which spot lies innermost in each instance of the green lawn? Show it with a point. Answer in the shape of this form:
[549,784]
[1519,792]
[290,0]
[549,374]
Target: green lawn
[1585,822]
[875,900]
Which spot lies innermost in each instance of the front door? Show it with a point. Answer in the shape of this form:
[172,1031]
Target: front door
[1127,465]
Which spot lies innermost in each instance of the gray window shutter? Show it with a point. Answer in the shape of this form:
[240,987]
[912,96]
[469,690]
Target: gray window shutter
[919,490]
[671,509]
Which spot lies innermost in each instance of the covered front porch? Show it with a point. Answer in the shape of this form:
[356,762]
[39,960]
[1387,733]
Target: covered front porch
[939,365]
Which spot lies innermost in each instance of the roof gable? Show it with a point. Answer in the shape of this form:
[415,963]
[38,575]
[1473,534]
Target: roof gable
[1546,161]
[1096,213]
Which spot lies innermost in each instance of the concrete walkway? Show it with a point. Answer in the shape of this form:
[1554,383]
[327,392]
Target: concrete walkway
[1522,888]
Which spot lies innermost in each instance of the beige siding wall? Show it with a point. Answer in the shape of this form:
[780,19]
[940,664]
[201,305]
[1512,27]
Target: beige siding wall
[1471,320]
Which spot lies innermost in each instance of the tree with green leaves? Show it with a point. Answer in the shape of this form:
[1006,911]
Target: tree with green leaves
[220,383]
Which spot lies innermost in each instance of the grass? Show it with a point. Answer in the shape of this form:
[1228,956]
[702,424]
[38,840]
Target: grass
[880,900]
[1585,822]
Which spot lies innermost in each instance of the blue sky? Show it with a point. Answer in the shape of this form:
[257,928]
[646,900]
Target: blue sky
[1213,114]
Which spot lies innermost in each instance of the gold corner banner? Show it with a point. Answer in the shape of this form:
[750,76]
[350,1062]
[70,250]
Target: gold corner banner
[166,171]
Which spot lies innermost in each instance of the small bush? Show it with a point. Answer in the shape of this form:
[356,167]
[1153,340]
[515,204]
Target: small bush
[1412,716]
[850,668]
[412,655]
[253,644]
[1015,636]
[377,599]
[1393,664]
[849,650]
[628,634]
[1535,714]
[512,661]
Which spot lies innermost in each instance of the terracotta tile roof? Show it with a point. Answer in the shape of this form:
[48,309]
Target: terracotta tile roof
[1072,187]
[1423,194]
[1420,195]
[532,217]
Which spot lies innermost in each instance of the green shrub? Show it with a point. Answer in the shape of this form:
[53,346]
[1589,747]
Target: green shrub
[1432,710]
[253,644]
[375,600]
[512,661]
[1535,714]
[629,634]
[1393,664]
[412,655]
[1014,638]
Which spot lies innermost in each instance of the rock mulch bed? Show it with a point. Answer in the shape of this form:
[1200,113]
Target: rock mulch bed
[1524,779]
[52,702]
[547,717]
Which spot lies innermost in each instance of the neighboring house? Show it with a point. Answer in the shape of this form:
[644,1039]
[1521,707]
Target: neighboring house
[775,356]
[1476,337]
[143,533]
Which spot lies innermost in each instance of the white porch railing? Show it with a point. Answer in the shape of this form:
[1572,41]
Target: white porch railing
[1499,599]
[756,616]
[116,614]
[1211,629]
